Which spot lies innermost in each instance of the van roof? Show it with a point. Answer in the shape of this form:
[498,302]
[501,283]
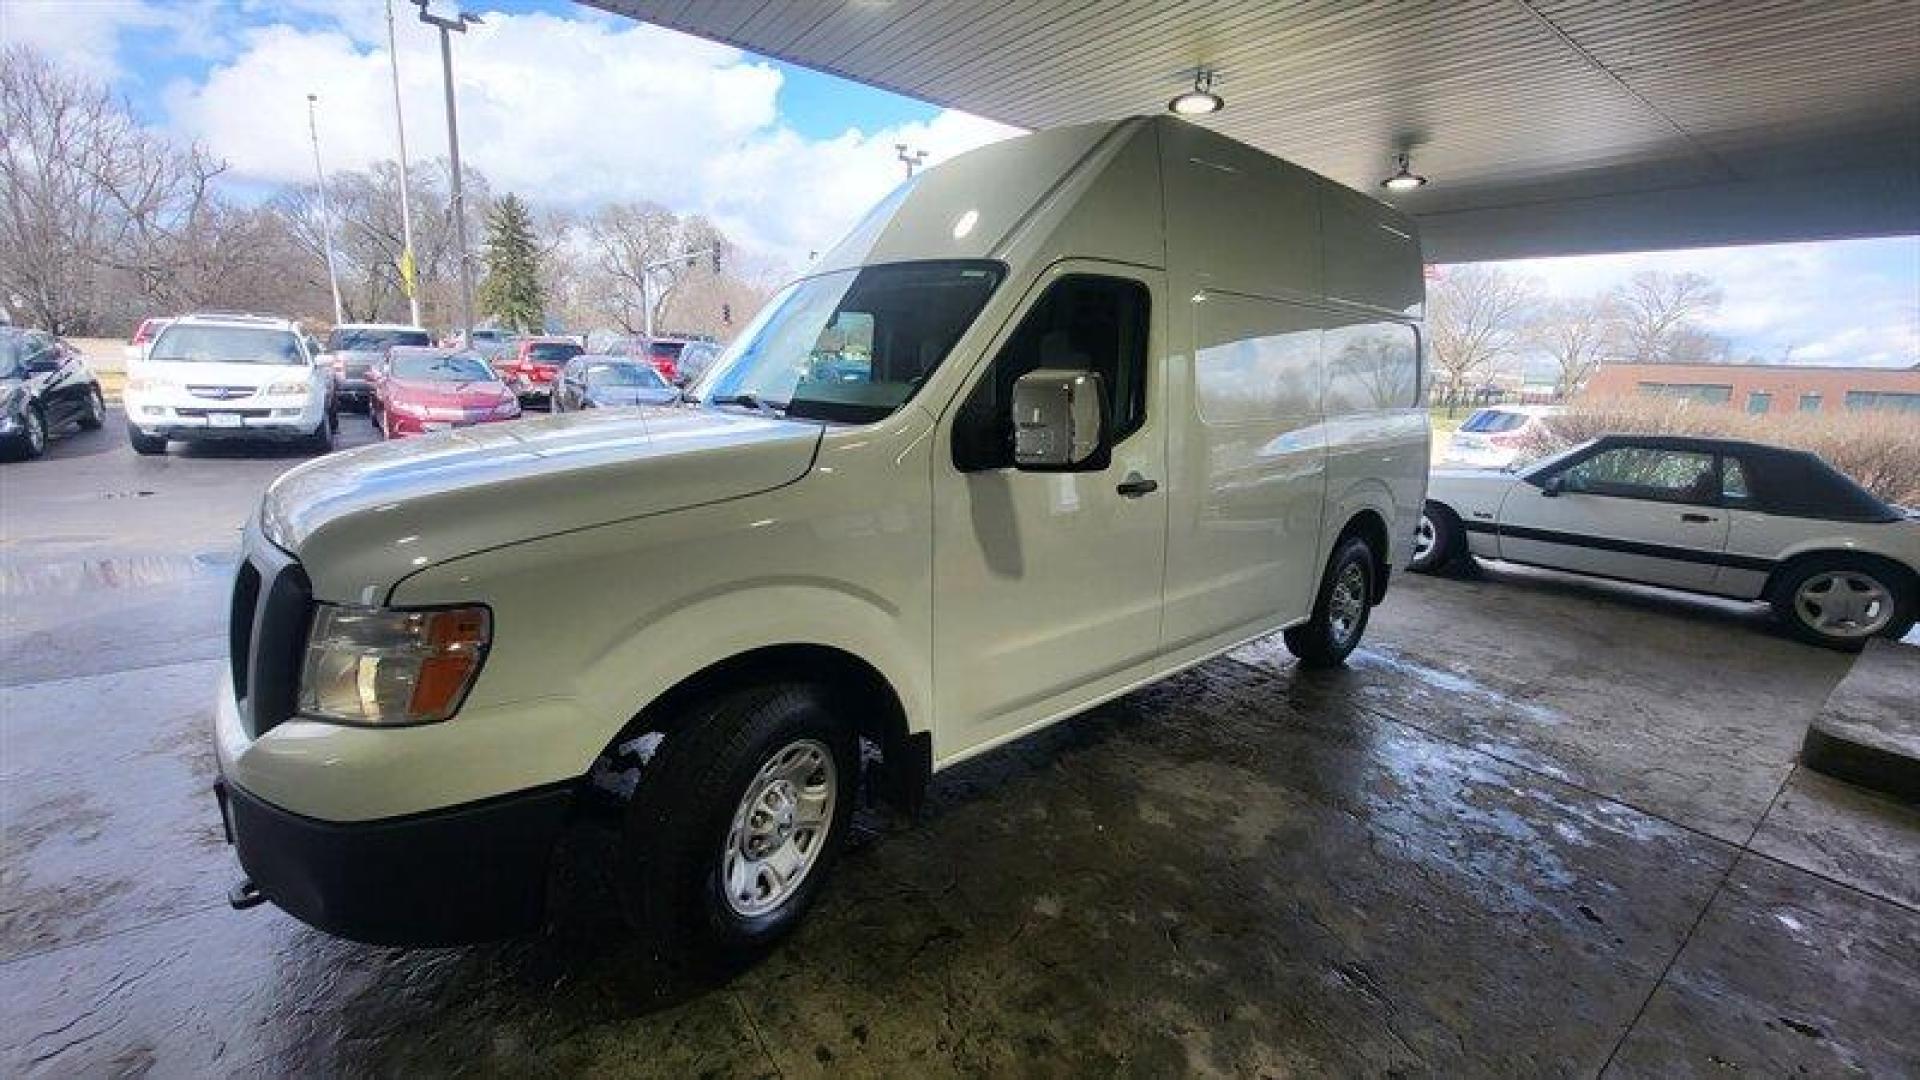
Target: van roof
[224,318]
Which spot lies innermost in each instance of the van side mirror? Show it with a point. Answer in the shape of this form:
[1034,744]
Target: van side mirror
[1059,422]
[1553,485]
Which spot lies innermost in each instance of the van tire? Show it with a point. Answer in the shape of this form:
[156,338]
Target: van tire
[321,441]
[1340,610]
[680,826]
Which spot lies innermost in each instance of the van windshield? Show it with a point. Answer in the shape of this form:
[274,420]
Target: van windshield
[851,346]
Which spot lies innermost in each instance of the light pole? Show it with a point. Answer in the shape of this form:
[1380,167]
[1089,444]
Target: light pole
[448,27]
[646,272]
[911,160]
[408,269]
[326,217]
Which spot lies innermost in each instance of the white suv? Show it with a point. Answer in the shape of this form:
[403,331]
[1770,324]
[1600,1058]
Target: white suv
[228,377]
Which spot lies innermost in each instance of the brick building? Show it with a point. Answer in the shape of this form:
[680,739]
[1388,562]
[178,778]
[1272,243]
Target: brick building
[1765,388]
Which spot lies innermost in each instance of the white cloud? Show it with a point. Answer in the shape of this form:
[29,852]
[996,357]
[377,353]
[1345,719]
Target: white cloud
[565,111]
[85,35]
[1852,302]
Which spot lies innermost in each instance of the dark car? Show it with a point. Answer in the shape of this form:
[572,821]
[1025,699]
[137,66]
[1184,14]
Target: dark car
[44,384]
[352,351]
[592,381]
[675,358]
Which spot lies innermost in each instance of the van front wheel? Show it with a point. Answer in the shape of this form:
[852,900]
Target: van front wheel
[736,821]
[1340,610]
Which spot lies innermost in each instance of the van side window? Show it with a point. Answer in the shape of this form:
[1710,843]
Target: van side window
[1083,322]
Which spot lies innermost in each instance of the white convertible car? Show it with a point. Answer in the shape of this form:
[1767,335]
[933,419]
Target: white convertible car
[1732,519]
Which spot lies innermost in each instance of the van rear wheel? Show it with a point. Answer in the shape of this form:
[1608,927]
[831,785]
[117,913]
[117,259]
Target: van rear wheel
[1341,609]
[736,821]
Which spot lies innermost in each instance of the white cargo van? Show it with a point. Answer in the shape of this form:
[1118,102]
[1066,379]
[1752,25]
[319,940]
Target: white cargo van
[1060,417]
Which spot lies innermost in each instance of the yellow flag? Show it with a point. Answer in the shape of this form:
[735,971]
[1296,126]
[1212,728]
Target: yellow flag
[406,272]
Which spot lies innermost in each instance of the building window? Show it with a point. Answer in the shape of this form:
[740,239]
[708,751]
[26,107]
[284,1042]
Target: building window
[1809,402]
[1893,401]
[1704,393]
[1759,401]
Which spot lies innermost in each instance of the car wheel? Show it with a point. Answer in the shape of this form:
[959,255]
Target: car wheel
[322,438]
[736,821]
[333,421]
[1842,602]
[94,415]
[1340,611]
[1439,542]
[31,442]
[144,444]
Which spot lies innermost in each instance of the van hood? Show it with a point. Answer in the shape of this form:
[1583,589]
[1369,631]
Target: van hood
[361,520]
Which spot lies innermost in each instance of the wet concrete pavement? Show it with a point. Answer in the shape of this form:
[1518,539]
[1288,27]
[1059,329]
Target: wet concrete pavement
[1541,827]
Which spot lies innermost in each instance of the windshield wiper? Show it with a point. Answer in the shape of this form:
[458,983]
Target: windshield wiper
[751,400]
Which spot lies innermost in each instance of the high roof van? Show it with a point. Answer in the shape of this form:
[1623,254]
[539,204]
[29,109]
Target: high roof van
[1060,417]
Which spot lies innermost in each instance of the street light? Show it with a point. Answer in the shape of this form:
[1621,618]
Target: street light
[409,272]
[326,218]
[447,27]
[911,160]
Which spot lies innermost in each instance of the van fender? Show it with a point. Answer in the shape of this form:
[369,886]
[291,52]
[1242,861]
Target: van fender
[668,647]
[1370,494]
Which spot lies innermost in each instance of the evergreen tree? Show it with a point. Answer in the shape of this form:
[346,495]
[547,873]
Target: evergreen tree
[511,293]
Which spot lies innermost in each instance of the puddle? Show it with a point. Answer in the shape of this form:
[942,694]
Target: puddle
[1452,682]
[25,578]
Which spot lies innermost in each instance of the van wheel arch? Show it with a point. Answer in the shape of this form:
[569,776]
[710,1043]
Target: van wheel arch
[855,689]
[1369,526]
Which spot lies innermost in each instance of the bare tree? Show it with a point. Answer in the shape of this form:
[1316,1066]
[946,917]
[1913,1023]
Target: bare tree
[1577,335]
[634,245]
[92,205]
[1475,316]
[1657,313]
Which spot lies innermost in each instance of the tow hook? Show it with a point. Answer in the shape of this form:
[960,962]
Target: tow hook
[245,894]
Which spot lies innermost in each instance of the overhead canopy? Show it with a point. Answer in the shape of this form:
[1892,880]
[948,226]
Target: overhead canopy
[1546,127]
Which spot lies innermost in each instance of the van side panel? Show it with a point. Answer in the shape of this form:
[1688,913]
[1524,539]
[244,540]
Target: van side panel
[1250,484]
[1370,255]
[1376,427]
[1239,219]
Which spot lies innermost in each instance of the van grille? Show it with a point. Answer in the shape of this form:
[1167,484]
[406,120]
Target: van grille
[267,635]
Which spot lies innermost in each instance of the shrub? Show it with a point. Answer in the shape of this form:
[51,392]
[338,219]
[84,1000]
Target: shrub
[1880,450]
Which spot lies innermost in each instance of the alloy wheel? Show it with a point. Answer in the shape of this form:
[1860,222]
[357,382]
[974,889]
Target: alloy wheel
[1844,604]
[1348,604]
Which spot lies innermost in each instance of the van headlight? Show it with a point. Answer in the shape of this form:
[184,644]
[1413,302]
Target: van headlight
[381,666]
[140,383]
[287,386]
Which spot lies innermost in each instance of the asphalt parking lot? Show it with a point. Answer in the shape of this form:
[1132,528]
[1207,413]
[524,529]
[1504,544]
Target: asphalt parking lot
[1540,827]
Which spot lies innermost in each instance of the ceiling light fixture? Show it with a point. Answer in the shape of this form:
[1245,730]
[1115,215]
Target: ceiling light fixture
[1404,178]
[1201,100]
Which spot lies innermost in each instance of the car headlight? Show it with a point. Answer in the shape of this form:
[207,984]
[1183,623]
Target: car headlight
[288,386]
[381,666]
[139,383]
[507,410]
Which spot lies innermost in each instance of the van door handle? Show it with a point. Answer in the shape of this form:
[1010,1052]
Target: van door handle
[1696,519]
[1136,485]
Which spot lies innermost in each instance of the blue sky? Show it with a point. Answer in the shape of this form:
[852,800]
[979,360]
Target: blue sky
[573,107]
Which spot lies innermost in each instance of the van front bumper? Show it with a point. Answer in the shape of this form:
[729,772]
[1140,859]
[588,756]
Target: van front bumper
[447,877]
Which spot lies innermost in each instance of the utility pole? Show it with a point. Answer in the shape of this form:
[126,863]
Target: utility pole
[326,216]
[448,27]
[409,269]
[646,273]
[912,160]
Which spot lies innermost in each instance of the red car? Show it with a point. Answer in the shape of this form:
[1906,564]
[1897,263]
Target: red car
[417,390]
[534,365]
